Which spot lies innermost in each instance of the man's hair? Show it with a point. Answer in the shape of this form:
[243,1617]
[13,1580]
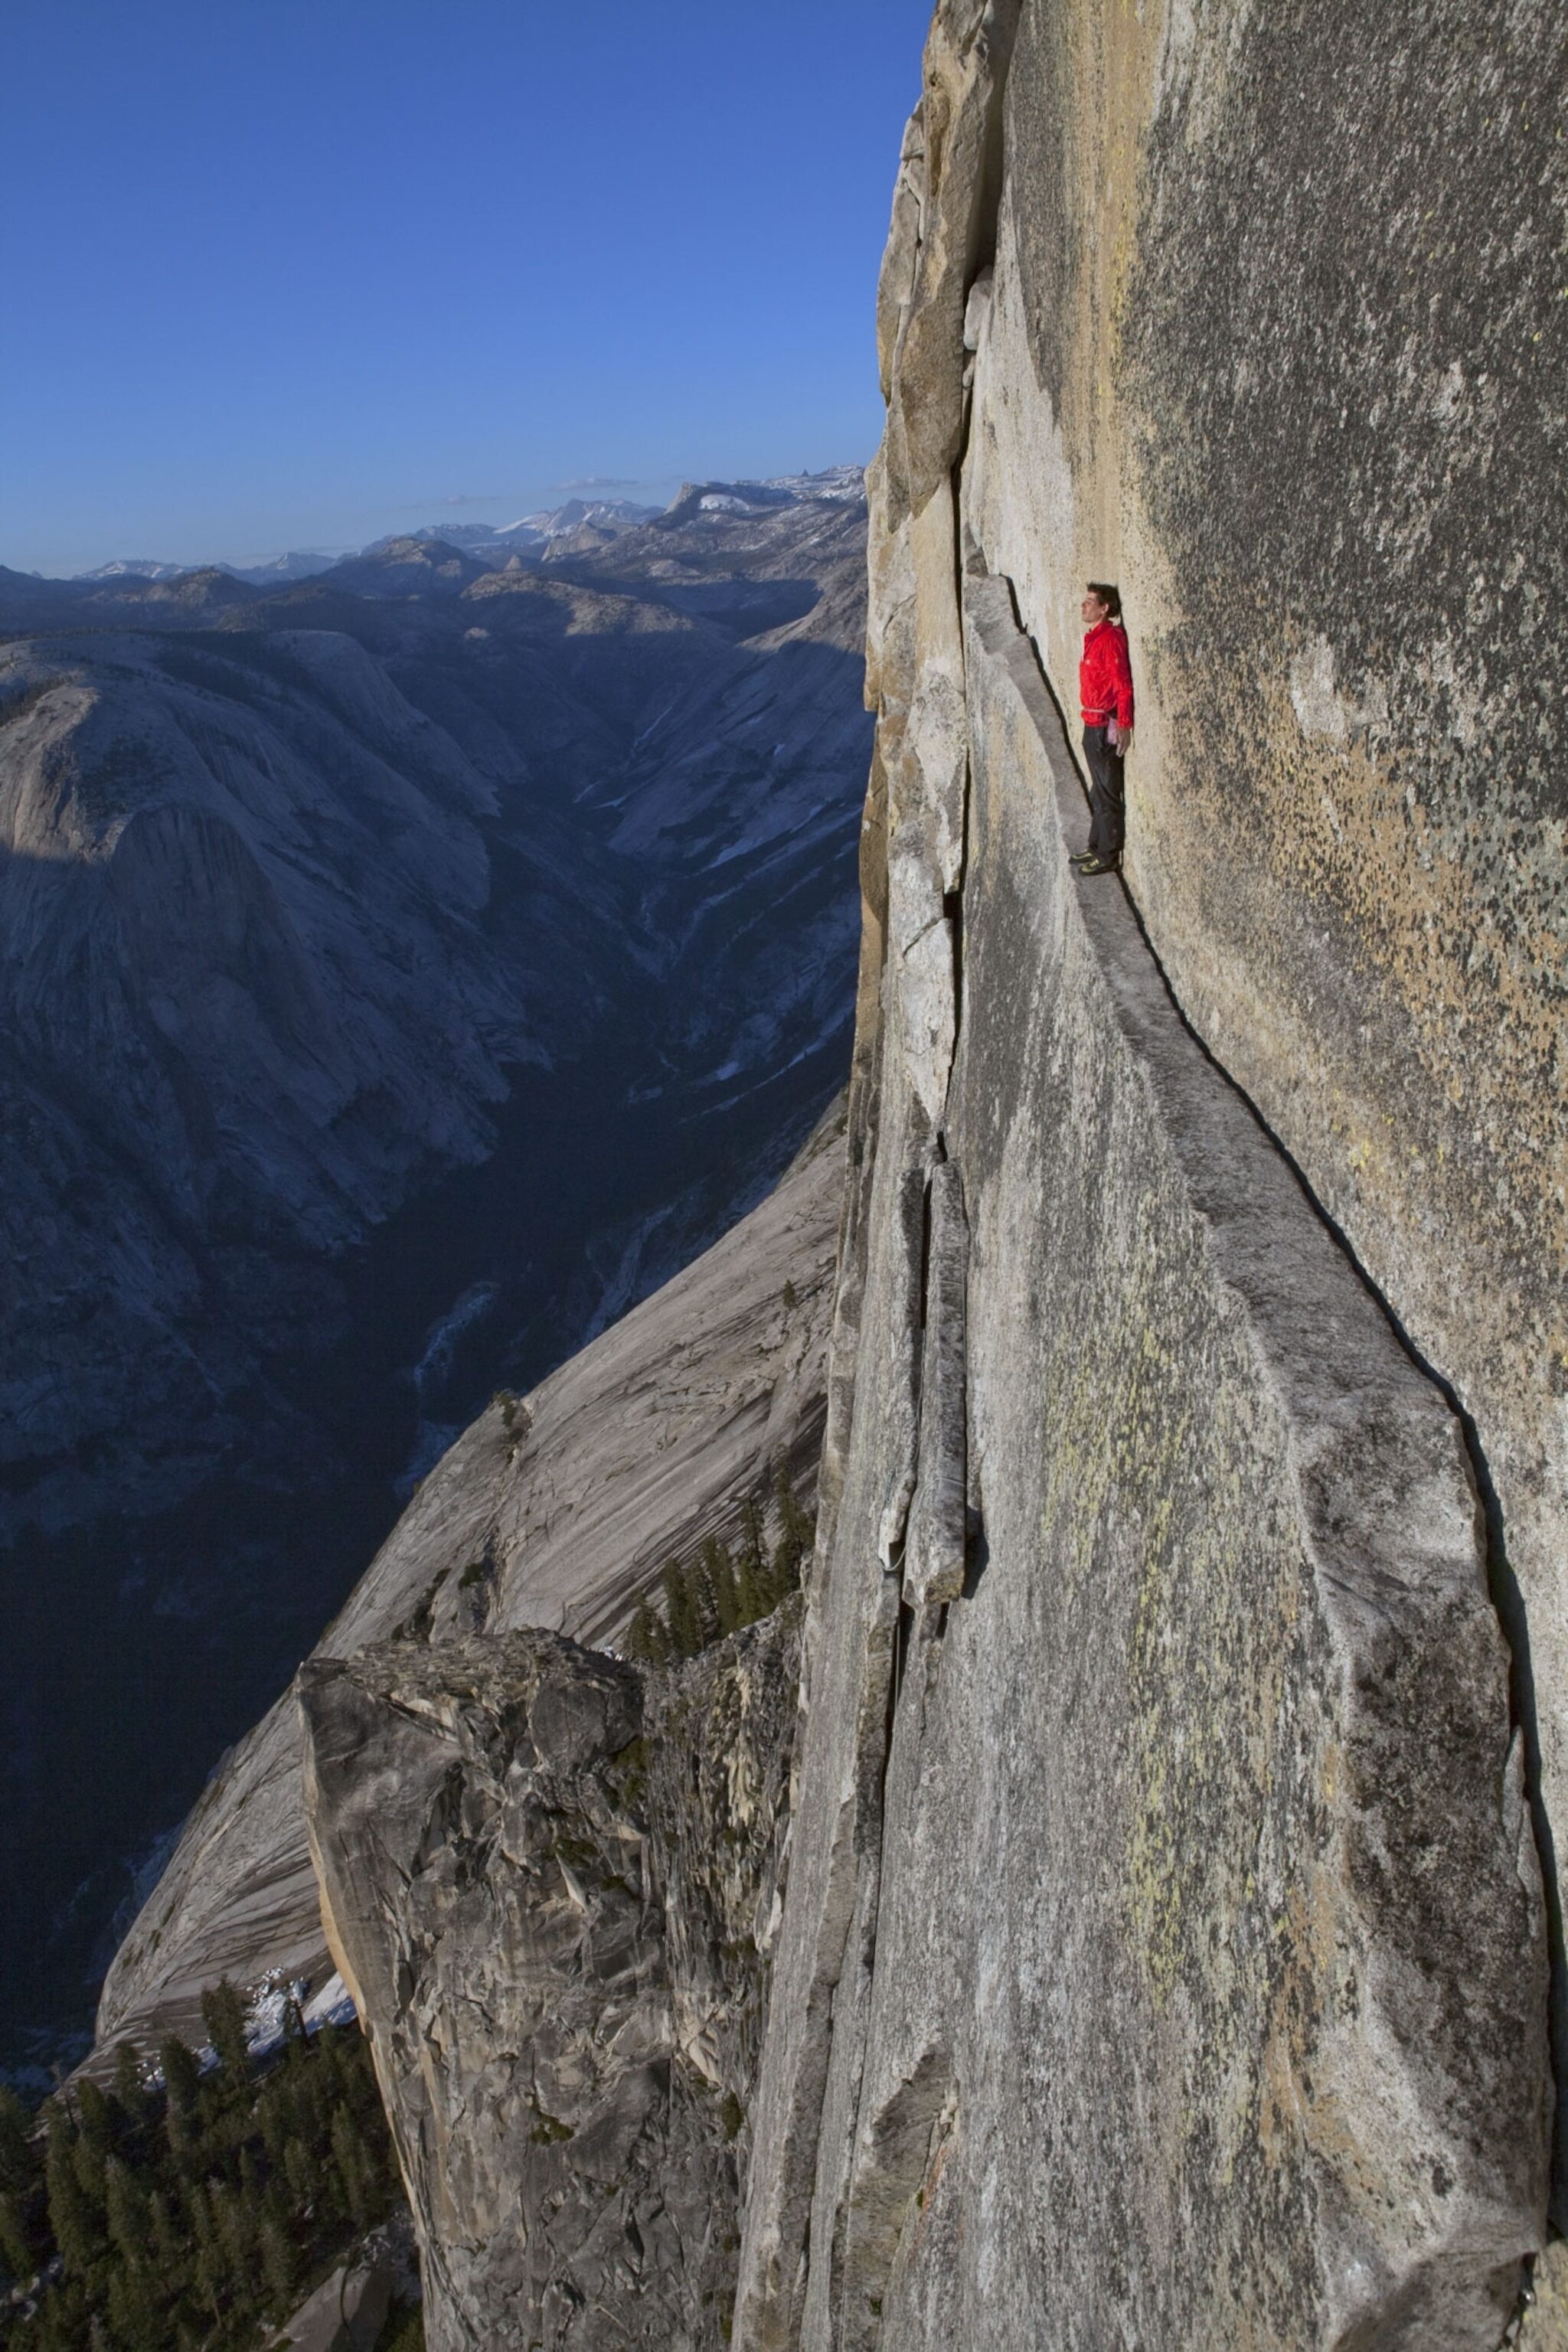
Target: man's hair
[1109,596]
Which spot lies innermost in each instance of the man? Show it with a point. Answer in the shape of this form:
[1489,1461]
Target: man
[1105,695]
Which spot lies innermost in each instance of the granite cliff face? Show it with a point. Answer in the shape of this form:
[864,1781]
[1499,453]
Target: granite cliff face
[1165,1952]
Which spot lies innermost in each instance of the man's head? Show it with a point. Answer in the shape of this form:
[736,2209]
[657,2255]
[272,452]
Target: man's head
[1103,603]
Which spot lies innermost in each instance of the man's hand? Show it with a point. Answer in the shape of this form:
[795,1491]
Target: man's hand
[1122,742]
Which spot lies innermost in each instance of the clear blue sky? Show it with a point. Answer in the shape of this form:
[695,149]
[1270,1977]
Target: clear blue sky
[285,273]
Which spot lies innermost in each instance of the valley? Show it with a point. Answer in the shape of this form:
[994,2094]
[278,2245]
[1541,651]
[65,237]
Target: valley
[412,966]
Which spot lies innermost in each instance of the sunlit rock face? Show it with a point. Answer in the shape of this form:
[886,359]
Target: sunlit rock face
[1164,1958]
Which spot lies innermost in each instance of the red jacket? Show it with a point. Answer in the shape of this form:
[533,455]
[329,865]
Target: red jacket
[1105,676]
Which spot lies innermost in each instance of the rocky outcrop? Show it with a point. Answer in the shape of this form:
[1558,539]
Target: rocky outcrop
[554,1510]
[1165,1955]
[550,1880]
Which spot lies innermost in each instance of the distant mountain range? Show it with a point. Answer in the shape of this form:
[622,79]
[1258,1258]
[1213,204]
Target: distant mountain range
[583,523]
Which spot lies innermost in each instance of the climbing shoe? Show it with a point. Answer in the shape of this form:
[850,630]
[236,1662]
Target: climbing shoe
[1081,856]
[1100,866]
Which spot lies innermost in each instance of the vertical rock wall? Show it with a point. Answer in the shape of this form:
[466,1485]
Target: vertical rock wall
[1164,1959]
[1277,340]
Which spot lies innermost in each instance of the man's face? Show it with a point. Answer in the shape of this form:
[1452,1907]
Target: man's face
[1093,611]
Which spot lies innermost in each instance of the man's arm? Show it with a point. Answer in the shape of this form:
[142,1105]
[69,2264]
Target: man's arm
[1123,690]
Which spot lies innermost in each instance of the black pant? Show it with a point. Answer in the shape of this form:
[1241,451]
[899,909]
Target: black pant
[1107,805]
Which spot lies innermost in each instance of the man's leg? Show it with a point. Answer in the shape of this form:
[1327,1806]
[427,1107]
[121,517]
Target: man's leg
[1113,790]
[1107,817]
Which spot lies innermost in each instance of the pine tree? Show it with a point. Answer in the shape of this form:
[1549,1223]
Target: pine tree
[133,2312]
[210,2278]
[299,2169]
[796,1531]
[182,2082]
[719,1570]
[18,2245]
[129,2088]
[647,1639]
[16,2149]
[754,1533]
[17,2251]
[126,2209]
[224,2015]
[751,1590]
[279,2265]
[680,1610]
[234,2227]
[170,2249]
[182,2072]
[198,2209]
[704,1598]
[73,2223]
[354,2168]
[94,2115]
[87,2162]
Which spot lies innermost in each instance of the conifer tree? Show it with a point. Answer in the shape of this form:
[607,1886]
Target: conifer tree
[87,2162]
[129,2088]
[125,2207]
[647,1639]
[199,2212]
[18,2243]
[704,1598]
[209,2279]
[18,2256]
[16,2129]
[133,2311]
[298,2171]
[279,2265]
[170,2250]
[797,1530]
[235,2228]
[223,2013]
[182,2071]
[354,2167]
[95,2118]
[719,1570]
[681,1614]
[73,2223]
[752,1565]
